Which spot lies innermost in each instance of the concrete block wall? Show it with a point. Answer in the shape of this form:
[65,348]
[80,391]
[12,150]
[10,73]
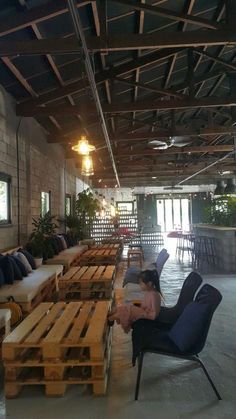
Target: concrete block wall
[42,167]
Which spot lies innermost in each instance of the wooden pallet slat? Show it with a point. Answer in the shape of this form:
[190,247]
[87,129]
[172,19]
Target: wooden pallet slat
[24,328]
[99,320]
[63,323]
[75,332]
[38,332]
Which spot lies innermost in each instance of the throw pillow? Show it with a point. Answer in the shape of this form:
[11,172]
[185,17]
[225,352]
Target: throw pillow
[24,260]
[59,243]
[67,240]
[63,242]
[29,257]
[2,279]
[17,272]
[20,265]
[7,269]
[188,329]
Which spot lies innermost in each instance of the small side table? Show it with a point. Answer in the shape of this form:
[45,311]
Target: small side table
[135,254]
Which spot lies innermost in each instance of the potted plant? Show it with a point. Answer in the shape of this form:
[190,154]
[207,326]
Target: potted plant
[39,242]
[86,208]
[222,211]
[36,247]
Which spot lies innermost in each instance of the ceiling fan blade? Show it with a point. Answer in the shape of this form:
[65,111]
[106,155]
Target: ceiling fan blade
[156,143]
[180,141]
[179,144]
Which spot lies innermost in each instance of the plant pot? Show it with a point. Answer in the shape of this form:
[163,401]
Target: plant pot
[38,262]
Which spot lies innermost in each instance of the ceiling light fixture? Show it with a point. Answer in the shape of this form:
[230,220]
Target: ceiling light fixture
[87,166]
[83,147]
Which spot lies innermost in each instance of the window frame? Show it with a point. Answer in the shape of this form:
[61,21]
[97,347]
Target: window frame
[8,180]
[68,196]
[49,202]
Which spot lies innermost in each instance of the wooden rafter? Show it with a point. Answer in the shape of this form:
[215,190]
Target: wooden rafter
[170,14]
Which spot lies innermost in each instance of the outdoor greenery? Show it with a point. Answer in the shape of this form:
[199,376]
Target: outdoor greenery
[222,211]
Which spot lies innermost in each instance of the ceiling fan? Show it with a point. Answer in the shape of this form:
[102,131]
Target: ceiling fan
[170,142]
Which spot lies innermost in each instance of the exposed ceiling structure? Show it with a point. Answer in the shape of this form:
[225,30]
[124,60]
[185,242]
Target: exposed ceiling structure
[165,74]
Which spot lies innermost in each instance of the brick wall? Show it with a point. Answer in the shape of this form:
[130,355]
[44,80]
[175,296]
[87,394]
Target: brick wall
[42,168]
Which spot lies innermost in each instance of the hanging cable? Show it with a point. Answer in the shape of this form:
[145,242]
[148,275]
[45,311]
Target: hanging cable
[81,38]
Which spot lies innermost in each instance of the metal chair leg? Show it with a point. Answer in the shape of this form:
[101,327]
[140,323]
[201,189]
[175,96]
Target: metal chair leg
[140,365]
[208,377]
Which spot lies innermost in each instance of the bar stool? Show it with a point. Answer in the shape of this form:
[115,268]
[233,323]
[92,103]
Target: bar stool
[204,251]
[135,255]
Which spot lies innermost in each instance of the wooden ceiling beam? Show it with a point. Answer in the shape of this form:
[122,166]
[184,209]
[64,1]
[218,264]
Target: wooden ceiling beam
[170,14]
[160,133]
[100,77]
[218,60]
[132,152]
[163,92]
[177,150]
[119,43]
[18,21]
[141,106]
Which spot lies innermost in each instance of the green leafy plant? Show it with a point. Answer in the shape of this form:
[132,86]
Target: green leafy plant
[86,207]
[222,211]
[39,242]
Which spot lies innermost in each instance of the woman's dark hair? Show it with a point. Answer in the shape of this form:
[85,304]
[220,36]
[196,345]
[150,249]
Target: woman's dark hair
[151,276]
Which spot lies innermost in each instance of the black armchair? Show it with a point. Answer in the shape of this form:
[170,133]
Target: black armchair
[185,339]
[168,315]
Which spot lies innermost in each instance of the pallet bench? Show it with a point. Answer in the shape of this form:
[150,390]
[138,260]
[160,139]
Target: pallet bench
[87,283]
[100,256]
[57,345]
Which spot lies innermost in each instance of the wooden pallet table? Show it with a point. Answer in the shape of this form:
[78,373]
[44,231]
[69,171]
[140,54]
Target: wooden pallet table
[100,257]
[87,283]
[59,344]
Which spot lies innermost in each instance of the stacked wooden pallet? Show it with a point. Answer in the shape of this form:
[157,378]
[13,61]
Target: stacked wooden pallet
[100,256]
[59,344]
[87,283]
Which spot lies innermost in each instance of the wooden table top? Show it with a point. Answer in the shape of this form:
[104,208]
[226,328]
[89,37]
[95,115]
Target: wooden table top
[88,274]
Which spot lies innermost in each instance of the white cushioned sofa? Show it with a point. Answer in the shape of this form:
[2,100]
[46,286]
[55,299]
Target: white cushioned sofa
[40,284]
[68,257]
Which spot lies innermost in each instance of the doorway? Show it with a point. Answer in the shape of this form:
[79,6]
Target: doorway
[173,214]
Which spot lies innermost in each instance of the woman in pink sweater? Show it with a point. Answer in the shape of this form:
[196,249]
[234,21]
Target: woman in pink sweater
[127,314]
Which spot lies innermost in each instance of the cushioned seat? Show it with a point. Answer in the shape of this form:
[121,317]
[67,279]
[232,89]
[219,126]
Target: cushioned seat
[26,290]
[5,317]
[68,256]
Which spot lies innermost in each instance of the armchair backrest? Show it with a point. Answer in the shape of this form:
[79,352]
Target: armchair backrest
[162,257]
[189,289]
[190,331]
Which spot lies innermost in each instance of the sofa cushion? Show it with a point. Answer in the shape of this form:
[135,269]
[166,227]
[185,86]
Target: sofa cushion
[59,243]
[7,269]
[187,330]
[2,278]
[20,265]
[25,291]
[29,257]
[132,275]
[75,250]
[54,245]
[24,260]
[17,272]
[62,241]
[67,240]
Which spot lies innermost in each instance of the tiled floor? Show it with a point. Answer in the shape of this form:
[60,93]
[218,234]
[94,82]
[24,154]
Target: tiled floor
[170,389]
